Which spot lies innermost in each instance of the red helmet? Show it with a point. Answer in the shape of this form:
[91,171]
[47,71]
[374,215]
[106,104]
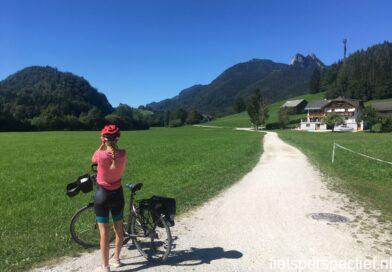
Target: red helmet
[110,133]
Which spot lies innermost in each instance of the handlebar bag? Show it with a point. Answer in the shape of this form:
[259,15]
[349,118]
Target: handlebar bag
[85,183]
[72,189]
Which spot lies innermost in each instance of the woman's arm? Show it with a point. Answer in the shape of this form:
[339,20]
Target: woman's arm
[94,159]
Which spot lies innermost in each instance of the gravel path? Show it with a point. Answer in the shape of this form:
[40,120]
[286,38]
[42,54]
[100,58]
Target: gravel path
[256,222]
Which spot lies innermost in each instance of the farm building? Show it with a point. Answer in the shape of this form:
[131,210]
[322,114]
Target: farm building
[383,108]
[318,110]
[294,106]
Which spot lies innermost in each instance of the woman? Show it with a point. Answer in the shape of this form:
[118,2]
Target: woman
[109,196]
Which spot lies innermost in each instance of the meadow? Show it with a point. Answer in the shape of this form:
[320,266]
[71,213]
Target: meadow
[366,180]
[191,164]
[242,119]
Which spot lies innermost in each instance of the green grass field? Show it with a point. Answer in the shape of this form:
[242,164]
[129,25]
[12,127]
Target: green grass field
[191,164]
[242,119]
[367,180]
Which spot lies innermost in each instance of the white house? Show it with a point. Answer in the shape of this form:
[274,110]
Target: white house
[349,109]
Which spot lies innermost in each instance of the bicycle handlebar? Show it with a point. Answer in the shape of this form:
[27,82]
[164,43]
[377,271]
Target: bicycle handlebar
[94,167]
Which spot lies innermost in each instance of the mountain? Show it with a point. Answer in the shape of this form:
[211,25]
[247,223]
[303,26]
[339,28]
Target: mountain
[34,90]
[43,98]
[365,74]
[275,80]
[304,62]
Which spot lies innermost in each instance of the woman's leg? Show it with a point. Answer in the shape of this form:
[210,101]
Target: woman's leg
[104,242]
[118,229]
[102,216]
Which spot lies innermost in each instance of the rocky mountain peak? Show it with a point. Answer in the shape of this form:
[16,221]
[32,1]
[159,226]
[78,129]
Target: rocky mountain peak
[309,60]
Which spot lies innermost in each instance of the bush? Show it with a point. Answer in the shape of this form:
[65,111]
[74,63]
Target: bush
[194,117]
[369,116]
[384,125]
[176,123]
[387,124]
[376,127]
[271,126]
[8,123]
[333,119]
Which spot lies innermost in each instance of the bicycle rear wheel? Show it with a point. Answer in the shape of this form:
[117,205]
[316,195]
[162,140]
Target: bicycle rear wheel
[84,228]
[153,237]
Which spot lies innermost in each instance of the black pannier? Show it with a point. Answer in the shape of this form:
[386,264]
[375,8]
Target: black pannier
[165,206]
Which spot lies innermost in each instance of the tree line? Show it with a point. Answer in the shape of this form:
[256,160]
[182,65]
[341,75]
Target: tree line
[364,75]
[175,118]
[52,118]
[43,98]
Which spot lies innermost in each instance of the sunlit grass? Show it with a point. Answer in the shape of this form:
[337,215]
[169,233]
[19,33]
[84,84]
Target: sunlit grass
[365,179]
[191,164]
[242,119]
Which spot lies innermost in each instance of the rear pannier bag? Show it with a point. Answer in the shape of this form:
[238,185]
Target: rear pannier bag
[165,206]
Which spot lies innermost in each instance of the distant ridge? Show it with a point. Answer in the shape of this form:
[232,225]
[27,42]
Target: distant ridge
[275,80]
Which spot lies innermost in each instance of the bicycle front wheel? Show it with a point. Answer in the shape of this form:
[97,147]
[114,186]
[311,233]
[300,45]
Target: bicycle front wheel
[152,236]
[84,228]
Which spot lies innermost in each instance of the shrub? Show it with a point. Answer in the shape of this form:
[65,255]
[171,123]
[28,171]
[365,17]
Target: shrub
[376,127]
[369,116]
[194,117]
[271,126]
[333,119]
[175,123]
[387,124]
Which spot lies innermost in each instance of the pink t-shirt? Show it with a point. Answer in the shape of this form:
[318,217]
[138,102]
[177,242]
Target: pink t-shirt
[108,178]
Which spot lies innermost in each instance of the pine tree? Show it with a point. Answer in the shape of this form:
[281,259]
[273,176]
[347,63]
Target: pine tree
[314,82]
[239,104]
[257,109]
[283,117]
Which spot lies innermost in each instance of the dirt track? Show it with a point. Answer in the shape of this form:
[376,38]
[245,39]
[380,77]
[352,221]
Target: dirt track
[259,220]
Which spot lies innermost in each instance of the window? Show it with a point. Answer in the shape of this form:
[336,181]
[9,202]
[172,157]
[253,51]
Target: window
[307,125]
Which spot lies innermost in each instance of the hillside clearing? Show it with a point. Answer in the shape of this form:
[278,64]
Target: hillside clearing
[242,119]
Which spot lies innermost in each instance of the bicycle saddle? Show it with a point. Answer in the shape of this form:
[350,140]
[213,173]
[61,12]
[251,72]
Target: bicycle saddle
[134,186]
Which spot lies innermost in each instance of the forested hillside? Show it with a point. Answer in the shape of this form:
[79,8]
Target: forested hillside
[276,81]
[43,98]
[365,74]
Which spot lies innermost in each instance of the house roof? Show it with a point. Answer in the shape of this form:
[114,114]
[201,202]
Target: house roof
[316,104]
[381,105]
[354,102]
[292,103]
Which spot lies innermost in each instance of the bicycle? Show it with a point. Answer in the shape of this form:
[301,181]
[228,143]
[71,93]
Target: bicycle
[145,226]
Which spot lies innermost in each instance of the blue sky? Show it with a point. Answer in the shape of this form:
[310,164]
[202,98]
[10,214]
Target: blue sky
[142,51]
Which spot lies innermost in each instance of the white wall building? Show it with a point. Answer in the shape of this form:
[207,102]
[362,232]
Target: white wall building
[317,111]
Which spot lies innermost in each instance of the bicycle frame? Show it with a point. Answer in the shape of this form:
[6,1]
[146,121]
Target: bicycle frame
[132,212]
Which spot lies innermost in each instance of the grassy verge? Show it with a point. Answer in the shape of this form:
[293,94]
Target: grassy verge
[367,180]
[242,119]
[190,164]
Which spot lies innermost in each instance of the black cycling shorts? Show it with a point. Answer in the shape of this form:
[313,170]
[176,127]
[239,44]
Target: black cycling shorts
[108,200]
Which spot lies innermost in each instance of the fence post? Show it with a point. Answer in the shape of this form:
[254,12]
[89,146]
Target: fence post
[333,152]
